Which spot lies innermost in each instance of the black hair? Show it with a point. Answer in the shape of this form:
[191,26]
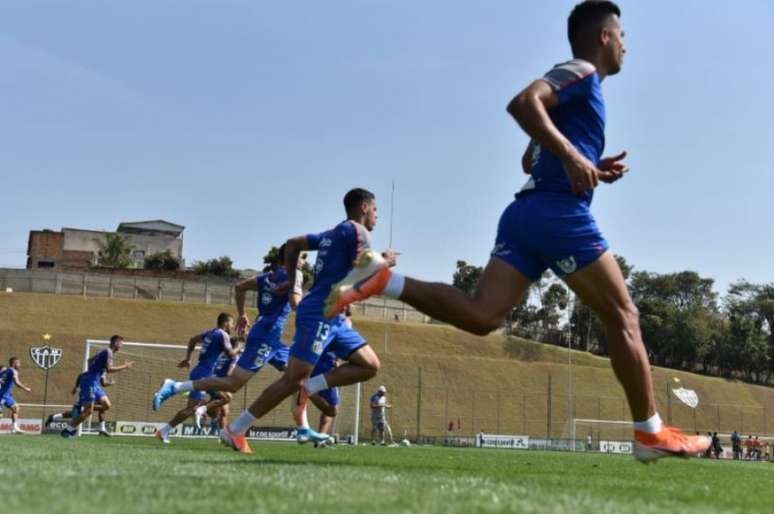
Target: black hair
[114,338]
[223,317]
[355,198]
[10,361]
[589,14]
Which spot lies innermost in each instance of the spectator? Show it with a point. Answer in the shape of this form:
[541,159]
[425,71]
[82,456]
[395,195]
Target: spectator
[748,447]
[716,448]
[379,406]
[589,443]
[736,445]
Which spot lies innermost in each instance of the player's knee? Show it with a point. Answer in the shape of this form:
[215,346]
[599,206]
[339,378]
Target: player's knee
[626,318]
[485,324]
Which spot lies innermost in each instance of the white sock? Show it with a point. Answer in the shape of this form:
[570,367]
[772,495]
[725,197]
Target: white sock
[242,423]
[184,386]
[165,430]
[57,417]
[304,419]
[102,426]
[652,425]
[394,288]
[316,384]
[201,410]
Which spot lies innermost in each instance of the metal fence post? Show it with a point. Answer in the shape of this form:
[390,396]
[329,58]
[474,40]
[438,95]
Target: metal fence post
[498,412]
[548,409]
[419,402]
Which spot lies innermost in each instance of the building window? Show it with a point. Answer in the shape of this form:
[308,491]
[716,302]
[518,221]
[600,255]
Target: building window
[139,255]
[45,264]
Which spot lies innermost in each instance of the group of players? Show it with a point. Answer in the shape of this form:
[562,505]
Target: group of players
[548,225]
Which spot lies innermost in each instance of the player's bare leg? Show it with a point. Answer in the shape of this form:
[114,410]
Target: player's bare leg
[499,290]
[361,366]
[327,413]
[183,414]
[230,384]
[102,407]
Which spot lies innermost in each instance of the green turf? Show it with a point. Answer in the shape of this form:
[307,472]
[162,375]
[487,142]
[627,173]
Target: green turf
[137,475]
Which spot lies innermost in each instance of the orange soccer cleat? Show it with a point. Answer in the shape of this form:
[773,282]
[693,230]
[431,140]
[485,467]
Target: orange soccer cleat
[367,278]
[237,442]
[669,442]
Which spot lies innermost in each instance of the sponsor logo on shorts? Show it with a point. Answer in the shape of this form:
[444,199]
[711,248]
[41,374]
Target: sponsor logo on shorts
[567,265]
[500,250]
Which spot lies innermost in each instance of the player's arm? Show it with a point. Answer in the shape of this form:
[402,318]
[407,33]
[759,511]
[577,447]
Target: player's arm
[240,290]
[77,383]
[526,159]
[19,383]
[297,293]
[229,349]
[115,369]
[530,110]
[186,363]
[293,249]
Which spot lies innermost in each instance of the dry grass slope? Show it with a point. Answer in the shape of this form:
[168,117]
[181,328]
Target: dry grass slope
[486,383]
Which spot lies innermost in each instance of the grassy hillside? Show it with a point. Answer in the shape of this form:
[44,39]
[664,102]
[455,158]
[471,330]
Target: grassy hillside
[494,383]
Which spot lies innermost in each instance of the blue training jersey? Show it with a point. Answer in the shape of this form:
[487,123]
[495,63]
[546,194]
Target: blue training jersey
[214,342]
[337,250]
[224,364]
[273,301]
[580,117]
[7,381]
[99,364]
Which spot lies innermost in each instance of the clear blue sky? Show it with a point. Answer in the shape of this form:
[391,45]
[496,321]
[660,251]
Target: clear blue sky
[247,121]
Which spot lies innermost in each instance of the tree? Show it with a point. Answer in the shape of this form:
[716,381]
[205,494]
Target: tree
[466,277]
[115,252]
[162,261]
[220,267]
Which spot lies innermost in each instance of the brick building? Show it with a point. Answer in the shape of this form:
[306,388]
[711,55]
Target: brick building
[73,248]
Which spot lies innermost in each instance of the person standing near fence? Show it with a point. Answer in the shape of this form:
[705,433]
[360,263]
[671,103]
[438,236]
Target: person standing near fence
[380,426]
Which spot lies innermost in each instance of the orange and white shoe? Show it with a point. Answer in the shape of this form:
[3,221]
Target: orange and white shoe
[368,277]
[161,437]
[670,442]
[237,442]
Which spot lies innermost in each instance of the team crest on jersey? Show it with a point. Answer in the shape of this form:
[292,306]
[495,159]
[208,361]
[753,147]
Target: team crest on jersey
[567,265]
[46,356]
[266,298]
[325,242]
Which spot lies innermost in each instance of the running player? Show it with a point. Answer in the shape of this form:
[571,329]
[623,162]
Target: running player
[9,377]
[549,225]
[338,249]
[102,404]
[213,342]
[217,408]
[264,342]
[89,382]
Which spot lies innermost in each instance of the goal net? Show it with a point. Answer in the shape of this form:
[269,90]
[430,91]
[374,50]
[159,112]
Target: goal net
[606,435]
[131,394]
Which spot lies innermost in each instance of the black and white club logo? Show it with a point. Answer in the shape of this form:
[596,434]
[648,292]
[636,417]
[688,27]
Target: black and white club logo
[46,356]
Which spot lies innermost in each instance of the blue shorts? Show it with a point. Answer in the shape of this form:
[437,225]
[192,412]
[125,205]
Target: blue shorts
[542,230]
[264,346]
[90,390]
[199,372]
[316,335]
[326,363]
[7,401]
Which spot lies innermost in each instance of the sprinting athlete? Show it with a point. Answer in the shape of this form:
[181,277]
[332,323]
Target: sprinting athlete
[264,341]
[213,342]
[218,406]
[89,382]
[549,225]
[9,377]
[327,401]
[338,249]
[101,406]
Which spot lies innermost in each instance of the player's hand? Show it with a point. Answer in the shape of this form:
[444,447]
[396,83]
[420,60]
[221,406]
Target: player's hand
[612,168]
[129,364]
[75,390]
[526,159]
[185,363]
[582,173]
[391,257]
[242,324]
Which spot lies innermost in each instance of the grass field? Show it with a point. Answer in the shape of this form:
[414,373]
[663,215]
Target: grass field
[138,475]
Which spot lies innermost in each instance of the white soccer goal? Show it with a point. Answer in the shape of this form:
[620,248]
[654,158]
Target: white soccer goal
[132,392]
[601,429]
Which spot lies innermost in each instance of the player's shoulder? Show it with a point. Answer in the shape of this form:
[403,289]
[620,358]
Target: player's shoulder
[569,72]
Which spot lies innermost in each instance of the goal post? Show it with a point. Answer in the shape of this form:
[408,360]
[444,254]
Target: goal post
[610,429]
[132,391]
